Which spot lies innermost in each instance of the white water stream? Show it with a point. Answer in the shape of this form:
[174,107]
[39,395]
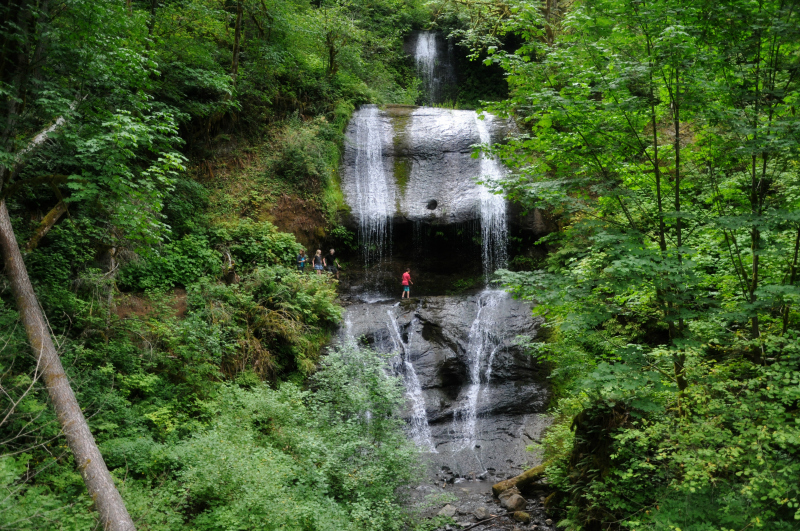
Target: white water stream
[494,225]
[425,59]
[482,345]
[375,203]
[419,430]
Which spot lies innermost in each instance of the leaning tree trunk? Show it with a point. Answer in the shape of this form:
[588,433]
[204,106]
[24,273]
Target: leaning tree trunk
[113,514]
[47,223]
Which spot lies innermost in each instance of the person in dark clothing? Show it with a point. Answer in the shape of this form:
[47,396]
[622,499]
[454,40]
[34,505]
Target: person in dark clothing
[332,263]
[301,261]
[319,262]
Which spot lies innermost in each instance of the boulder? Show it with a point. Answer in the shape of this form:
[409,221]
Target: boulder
[522,516]
[448,511]
[481,513]
[515,502]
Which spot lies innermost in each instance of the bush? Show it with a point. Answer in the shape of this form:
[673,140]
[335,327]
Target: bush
[277,318]
[309,154]
[256,244]
[185,261]
[184,209]
[289,459]
[176,264]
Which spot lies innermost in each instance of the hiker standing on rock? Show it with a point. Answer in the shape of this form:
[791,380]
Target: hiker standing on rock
[406,285]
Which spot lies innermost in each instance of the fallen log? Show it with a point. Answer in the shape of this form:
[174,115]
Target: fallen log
[521,481]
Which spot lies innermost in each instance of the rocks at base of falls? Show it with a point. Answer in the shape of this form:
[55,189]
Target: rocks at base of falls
[513,502]
[481,513]
[448,511]
[509,409]
[474,506]
[522,516]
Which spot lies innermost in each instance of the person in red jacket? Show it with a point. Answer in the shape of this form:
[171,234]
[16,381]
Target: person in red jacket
[406,284]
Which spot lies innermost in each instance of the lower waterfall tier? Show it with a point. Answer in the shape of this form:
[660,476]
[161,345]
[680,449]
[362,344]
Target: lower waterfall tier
[475,398]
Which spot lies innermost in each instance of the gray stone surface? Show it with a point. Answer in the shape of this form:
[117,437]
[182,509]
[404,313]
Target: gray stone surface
[427,152]
[515,502]
[510,406]
[448,511]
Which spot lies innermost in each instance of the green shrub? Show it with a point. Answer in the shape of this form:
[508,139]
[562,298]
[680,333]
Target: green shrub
[276,319]
[289,459]
[255,243]
[179,263]
[309,154]
[185,207]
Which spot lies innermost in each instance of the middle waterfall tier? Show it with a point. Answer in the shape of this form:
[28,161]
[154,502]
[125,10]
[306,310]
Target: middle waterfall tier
[415,165]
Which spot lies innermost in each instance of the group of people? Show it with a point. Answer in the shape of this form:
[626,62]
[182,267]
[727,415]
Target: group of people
[330,263]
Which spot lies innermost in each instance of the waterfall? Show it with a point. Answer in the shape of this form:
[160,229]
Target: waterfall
[494,227]
[472,397]
[481,344]
[434,67]
[425,59]
[375,205]
[419,430]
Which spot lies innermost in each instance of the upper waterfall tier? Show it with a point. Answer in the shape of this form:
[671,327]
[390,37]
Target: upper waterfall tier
[434,58]
[426,169]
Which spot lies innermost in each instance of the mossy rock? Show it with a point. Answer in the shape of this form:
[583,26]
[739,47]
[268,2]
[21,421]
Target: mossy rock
[522,516]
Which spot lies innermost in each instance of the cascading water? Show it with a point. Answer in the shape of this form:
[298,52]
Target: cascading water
[425,59]
[419,430]
[473,394]
[434,66]
[482,345]
[375,203]
[494,226]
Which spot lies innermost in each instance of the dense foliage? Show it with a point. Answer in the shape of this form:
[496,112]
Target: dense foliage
[665,137]
[193,452]
[171,297]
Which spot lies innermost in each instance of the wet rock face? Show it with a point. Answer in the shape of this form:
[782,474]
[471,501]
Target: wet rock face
[427,162]
[484,397]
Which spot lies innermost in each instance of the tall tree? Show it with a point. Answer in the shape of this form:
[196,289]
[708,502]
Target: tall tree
[22,59]
[70,81]
[665,136]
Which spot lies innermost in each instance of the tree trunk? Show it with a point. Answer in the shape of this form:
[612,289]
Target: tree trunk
[237,35]
[47,223]
[113,514]
[792,280]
